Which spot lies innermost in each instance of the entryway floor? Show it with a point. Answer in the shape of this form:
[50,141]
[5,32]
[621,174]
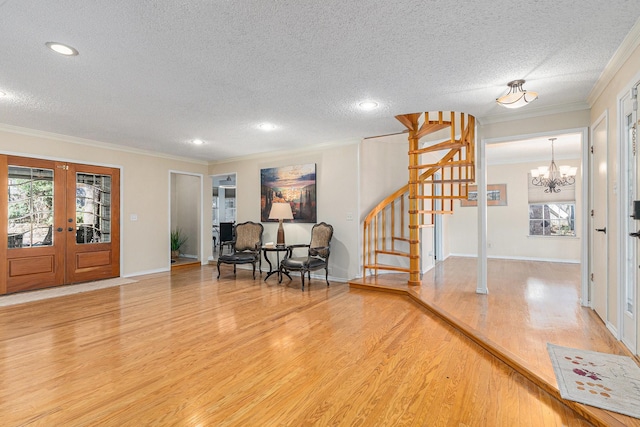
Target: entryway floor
[529,304]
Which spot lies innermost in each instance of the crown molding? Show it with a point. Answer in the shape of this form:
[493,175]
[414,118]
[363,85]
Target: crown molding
[621,55]
[93,143]
[534,112]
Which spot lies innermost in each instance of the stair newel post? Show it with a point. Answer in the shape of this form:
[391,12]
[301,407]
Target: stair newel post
[414,241]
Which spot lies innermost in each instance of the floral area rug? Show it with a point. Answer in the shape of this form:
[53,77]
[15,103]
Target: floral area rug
[602,380]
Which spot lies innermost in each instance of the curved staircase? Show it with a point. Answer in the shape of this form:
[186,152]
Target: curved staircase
[440,168]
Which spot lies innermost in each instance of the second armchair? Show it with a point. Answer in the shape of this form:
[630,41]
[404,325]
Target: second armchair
[317,254]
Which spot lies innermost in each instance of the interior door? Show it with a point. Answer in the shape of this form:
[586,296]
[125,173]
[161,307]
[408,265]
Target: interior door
[598,230]
[58,219]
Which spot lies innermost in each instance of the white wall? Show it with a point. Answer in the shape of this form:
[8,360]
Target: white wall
[508,226]
[384,167]
[144,186]
[337,195]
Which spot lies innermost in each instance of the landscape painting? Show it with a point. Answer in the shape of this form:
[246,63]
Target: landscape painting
[295,185]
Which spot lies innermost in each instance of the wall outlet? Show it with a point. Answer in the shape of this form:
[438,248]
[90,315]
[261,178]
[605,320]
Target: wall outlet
[133,217]
[349,216]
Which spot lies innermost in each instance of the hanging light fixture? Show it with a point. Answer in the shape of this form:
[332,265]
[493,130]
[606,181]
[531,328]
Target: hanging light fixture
[517,97]
[553,177]
[228,182]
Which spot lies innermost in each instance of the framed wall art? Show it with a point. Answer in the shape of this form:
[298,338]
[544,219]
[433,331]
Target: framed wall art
[295,185]
[496,195]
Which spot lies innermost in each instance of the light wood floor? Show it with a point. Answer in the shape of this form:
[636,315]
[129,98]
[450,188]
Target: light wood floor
[183,348]
[529,305]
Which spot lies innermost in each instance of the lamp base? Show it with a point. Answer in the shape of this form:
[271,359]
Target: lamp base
[280,238]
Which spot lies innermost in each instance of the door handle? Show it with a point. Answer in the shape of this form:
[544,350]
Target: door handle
[602,230]
[70,229]
[636,234]
[59,229]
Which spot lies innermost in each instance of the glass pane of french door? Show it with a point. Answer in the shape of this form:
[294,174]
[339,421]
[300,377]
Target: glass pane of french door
[30,207]
[93,208]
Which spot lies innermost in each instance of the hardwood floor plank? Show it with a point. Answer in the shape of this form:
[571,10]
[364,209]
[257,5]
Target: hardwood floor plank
[183,348]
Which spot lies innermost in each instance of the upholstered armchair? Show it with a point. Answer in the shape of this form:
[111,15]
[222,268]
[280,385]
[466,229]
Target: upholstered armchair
[246,247]
[317,257]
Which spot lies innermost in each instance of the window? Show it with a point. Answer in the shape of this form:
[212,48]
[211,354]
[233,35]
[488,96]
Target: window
[30,207]
[552,219]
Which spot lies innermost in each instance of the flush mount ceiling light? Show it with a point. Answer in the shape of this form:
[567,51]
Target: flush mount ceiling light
[516,97]
[62,49]
[198,141]
[368,105]
[266,126]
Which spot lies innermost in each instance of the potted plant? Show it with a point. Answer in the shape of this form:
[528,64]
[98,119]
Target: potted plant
[177,240]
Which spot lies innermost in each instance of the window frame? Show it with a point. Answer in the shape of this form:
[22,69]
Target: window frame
[546,213]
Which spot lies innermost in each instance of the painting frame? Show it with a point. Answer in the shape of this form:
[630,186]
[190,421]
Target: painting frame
[496,195]
[296,185]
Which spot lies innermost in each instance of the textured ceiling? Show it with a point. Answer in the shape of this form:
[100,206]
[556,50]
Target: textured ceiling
[155,75]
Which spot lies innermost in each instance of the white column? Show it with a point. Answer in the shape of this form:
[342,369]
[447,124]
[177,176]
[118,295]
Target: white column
[481,174]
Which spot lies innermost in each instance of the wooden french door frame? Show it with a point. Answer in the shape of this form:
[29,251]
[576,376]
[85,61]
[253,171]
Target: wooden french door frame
[65,260]
[92,261]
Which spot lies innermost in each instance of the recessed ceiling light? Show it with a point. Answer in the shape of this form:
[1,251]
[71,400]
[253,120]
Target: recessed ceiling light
[198,141]
[368,105]
[62,49]
[267,126]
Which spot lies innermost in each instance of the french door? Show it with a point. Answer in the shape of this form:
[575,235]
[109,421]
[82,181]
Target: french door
[59,223]
[630,279]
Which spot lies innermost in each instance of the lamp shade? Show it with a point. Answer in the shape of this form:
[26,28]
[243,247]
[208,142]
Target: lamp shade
[280,211]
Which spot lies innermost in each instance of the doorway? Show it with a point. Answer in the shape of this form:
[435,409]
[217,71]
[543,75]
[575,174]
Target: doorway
[61,223]
[186,218]
[532,223]
[223,210]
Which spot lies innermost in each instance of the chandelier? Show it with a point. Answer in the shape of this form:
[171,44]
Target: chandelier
[553,177]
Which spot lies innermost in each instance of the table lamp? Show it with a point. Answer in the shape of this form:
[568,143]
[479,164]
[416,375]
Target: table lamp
[280,211]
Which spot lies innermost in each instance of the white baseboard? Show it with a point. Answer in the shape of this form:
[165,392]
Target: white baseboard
[522,258]
[430,268]
[142,273]
[612,329]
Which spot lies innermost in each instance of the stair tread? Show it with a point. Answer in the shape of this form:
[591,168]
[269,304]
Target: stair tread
[387,267]
[389,252]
